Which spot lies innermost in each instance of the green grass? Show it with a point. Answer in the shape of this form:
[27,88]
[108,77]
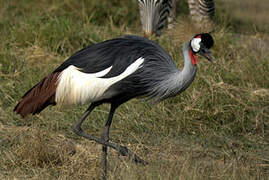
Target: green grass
[217,129]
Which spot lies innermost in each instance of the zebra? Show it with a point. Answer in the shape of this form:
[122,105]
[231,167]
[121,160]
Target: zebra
[201,10]
[155,14]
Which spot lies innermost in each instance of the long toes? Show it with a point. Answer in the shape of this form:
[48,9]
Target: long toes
[136,159]
[123,151]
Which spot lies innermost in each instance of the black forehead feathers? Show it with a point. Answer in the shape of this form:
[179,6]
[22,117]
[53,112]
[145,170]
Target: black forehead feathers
[206,39]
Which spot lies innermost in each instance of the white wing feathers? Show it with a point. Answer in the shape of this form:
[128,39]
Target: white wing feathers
[76,87]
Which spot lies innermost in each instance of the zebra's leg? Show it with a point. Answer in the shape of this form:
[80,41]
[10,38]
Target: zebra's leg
[172,15]
[201,11]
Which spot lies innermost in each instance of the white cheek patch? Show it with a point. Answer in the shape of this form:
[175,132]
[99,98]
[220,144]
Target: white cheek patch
[195,44]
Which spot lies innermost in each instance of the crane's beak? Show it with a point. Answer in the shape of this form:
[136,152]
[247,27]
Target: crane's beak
[206,53]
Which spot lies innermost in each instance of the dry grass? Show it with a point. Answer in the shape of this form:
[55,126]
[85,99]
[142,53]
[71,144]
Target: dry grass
[246,15]
[38,154]
[217,129]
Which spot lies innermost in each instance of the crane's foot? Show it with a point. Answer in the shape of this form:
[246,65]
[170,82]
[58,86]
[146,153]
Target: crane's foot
[124,151]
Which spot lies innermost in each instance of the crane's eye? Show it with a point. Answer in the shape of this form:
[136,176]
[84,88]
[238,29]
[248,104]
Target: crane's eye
[203,50]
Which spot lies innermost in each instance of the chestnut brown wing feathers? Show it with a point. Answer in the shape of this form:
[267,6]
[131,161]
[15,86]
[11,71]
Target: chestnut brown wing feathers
[38,97]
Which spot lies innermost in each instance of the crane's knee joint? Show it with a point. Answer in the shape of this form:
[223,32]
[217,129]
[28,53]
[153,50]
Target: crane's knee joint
[77,130]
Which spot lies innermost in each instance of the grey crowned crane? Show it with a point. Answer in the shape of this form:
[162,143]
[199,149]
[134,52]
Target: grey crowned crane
[115,71]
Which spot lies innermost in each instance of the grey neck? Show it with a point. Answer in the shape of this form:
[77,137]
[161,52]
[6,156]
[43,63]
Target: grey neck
[189,68]
[178,81]
[184,78]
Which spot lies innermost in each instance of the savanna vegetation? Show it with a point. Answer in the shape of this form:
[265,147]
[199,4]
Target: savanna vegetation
[217,129]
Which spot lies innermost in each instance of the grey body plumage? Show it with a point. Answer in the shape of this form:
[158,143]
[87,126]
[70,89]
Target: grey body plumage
[145,81]
[177,81]
[169,81]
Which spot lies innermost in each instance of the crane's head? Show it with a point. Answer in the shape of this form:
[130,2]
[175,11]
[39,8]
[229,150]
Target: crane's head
[201,43]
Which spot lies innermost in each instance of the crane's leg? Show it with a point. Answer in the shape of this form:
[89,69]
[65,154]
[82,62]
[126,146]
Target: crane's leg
[77,127]
[124,151]
[105,137]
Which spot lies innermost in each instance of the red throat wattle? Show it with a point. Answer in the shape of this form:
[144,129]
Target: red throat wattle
[193,57]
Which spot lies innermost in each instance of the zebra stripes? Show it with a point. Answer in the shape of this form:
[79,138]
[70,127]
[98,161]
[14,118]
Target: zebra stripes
[201,10]
[172,15]
[155,14]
